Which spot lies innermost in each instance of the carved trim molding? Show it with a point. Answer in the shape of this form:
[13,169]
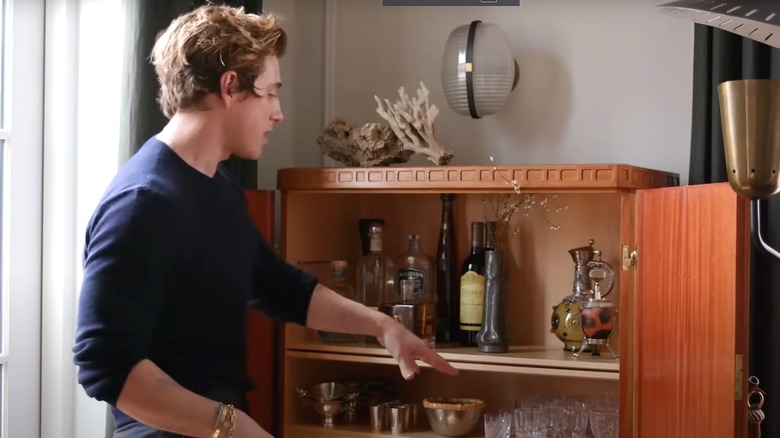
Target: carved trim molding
[475,178]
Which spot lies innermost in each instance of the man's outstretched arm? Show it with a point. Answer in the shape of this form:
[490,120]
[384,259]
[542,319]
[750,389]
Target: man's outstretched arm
[329,311]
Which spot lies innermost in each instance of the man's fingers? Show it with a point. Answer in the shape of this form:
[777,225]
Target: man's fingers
[408,368]
[439,364]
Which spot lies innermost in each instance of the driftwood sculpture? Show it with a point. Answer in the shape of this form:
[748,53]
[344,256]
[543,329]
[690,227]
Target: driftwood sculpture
[409,130]
[373,144]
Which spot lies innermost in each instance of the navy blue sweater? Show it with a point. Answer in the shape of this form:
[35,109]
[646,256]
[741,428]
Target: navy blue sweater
[171,260]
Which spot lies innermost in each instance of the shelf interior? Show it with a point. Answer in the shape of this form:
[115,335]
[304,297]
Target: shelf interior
[461,357]
[538,270]
[499,390]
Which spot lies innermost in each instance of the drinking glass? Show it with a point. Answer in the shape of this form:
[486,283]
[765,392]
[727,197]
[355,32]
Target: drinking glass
[528,423]
[604,422]
[497,425]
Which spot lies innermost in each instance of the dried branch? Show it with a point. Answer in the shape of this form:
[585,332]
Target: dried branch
[502,208]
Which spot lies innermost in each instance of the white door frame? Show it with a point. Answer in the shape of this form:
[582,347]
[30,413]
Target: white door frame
[22,211]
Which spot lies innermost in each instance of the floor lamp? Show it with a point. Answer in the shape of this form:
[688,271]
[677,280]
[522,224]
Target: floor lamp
[750,109]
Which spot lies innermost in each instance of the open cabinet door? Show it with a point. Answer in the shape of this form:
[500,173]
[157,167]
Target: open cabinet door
[691,309]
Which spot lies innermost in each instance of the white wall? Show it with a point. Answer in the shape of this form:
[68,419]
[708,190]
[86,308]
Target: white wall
[302,91]
[601,80]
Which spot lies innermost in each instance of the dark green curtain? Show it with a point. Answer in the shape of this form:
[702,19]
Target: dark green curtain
[720,56]
[141,117]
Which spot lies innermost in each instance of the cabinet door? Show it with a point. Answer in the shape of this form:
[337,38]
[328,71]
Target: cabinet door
[691,305]
[261,332]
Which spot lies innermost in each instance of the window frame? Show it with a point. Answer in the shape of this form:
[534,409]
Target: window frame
[22,179]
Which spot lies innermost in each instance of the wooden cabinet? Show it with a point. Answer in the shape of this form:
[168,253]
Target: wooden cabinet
[682,302]
[262,357]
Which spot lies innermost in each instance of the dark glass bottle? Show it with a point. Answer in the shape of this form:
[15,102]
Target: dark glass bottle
[472,287]
[447,273]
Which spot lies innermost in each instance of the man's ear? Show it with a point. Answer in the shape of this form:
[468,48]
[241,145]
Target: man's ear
[228,86]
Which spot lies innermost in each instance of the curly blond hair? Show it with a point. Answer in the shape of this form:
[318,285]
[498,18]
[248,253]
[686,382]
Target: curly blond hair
[191,55]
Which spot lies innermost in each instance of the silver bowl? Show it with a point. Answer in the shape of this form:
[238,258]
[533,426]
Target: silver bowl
[328,409]
[328,399]
[324,391]
[453,416]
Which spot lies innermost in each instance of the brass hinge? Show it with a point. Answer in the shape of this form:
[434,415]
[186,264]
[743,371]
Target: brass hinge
[738,377]
[630,258]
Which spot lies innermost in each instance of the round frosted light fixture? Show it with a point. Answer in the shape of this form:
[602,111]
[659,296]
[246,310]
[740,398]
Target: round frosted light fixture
[478,71]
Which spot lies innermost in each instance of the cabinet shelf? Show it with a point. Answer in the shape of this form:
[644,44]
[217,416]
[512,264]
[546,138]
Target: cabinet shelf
[361,431]
[519,360]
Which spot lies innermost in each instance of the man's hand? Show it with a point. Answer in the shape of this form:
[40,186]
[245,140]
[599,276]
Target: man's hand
[405,347]
[331,312]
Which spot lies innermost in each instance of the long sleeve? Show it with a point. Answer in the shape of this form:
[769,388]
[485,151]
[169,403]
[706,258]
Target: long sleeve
[280,289]
[121,294]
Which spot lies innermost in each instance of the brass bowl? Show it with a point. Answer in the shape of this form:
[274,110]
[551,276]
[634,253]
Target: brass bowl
[453,416]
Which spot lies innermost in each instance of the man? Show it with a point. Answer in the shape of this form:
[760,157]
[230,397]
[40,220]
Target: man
[172,257]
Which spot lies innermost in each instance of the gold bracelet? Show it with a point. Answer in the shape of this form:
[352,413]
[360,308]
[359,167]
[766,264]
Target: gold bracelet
[226,421]
[232,419]
[217,430]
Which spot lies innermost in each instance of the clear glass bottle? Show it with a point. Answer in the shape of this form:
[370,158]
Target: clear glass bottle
[472,287]
[338,282]
[419,267]
[375,271]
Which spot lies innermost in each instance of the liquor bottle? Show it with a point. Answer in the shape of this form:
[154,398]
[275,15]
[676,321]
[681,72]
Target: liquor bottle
[364,228]
[447,272]
[338,282]
[375,272]
[419,267]
[472,287]
[402,311]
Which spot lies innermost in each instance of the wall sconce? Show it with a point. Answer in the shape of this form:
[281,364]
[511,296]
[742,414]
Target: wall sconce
[478,70]
[750,109]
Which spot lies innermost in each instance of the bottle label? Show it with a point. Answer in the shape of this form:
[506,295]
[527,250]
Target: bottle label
[418,275]
[376,244]
[472,300]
